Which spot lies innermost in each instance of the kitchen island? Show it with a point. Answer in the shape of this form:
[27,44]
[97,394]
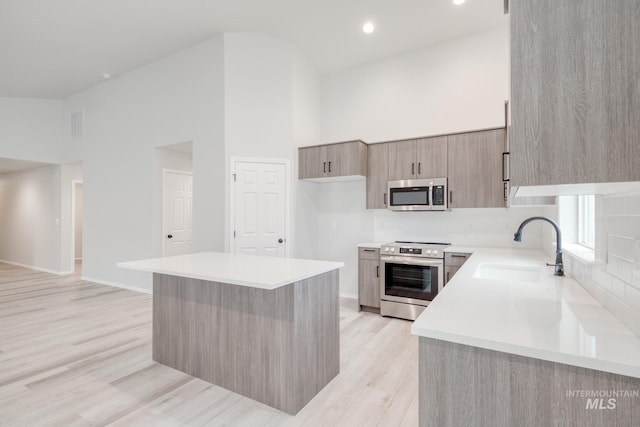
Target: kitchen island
[508,343]
[264,327]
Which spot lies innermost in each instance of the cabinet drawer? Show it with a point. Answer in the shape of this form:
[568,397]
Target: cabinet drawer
[369,253]
[455,259]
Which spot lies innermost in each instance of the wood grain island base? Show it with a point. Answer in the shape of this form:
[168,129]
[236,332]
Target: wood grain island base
[277,346]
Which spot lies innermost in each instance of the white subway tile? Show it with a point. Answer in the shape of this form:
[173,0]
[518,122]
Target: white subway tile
[625,271]
[622,247]
[613,205]
[618,288]
[632,204]
[602,278]
[632,297]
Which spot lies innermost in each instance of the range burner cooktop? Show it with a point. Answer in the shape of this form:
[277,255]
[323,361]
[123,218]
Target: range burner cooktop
[414,249]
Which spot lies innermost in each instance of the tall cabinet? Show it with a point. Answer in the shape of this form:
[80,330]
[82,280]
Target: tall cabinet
[575,96]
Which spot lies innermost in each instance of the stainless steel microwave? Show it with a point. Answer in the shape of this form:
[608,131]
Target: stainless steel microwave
[418,195]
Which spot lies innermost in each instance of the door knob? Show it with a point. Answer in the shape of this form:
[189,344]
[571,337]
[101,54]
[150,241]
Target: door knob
[170,236]
[280,240]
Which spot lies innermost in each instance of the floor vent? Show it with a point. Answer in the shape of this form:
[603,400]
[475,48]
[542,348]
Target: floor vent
[77,124]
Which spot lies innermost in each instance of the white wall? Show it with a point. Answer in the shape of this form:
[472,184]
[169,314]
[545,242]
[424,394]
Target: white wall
[31,129]
[451,87]
[179,98]
[30,218]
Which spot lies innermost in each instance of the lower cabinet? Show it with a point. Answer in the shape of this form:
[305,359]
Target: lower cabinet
[369,277]
[452,263]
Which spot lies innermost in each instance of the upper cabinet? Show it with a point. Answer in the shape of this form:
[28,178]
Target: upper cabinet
[332,160]
[377,175]
[418,158]
[475,169]
[575,97]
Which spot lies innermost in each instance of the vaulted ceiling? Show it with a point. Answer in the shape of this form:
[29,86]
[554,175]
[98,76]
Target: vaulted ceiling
[54,48]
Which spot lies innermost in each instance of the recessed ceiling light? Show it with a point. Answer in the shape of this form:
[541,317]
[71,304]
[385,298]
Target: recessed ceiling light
[458,2]
[106,75]
[368,27]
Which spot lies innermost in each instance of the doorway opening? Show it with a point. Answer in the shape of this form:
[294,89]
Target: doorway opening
[174,169]
[77,196]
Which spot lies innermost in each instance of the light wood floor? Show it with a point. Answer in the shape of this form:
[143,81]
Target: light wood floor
[75,353]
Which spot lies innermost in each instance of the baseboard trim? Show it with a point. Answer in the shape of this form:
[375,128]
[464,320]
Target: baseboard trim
[349,296]
[33,267]
[117,285]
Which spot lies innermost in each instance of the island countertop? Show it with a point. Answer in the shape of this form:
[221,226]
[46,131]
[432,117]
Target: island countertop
[544,317]
[243,270]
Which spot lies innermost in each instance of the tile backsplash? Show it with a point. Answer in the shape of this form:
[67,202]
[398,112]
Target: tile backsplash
[614,278]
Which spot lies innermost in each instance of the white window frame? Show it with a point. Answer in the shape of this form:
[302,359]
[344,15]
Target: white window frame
[586,221]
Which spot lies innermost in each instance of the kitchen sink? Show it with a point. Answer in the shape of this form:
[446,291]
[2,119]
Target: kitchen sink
[507,272]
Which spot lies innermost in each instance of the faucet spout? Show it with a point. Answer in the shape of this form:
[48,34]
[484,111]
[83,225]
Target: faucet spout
[559,265]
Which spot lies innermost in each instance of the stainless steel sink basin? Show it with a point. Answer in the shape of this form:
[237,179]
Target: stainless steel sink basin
[504,272]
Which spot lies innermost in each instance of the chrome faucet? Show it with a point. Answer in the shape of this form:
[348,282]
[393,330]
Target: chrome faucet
[559,266]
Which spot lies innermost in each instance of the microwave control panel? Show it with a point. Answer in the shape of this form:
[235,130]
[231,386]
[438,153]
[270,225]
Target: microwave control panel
[438,195]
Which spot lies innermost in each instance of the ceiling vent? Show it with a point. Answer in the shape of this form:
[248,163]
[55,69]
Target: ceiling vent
[77,124]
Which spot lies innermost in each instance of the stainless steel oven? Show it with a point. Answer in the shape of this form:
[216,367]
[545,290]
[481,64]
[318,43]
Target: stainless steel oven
[412,274]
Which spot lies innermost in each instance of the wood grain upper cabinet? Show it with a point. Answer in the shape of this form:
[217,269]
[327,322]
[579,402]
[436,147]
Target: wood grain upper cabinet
[377,175]
[475,169]
[418,158]
[332,160]
[575,97]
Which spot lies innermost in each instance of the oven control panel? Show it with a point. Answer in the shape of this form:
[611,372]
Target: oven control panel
[415,249]
[412,251]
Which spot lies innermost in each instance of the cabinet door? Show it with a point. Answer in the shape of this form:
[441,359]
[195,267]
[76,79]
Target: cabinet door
[369,282]
[431,157]
[349,158]
[377,175]
[575,96]
[402,160]
[449,272]
[475,169]
[312,162]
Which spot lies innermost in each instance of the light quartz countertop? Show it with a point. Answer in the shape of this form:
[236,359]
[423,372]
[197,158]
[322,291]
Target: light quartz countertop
[545,317]
[243,270]
[375,245]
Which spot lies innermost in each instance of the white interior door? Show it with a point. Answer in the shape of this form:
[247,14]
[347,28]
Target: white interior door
[177,213]
[260,209]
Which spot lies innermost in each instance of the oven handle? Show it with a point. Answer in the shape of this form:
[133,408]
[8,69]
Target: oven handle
[412,261]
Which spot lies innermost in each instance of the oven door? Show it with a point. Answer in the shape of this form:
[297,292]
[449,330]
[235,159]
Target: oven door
[410,280]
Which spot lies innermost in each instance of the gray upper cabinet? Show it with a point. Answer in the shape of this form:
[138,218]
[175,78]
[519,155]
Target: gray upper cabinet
[418,158]
[475,169]
[332,160]
[377,175]
[575,96]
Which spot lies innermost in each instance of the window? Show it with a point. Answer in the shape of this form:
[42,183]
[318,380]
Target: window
[586,221]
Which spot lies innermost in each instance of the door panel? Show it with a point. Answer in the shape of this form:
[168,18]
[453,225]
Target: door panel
[402,160]
[260,204]
[177,213]
[431,157]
